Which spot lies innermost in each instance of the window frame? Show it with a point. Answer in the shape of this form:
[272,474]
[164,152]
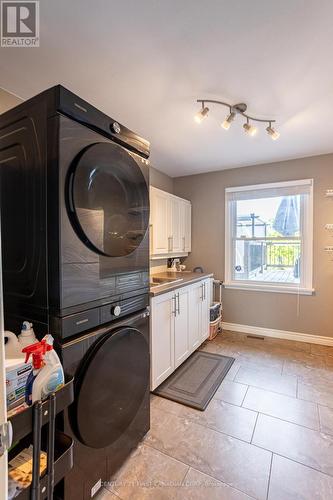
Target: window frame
[305,287]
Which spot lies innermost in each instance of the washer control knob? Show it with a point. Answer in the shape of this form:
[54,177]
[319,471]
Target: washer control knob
[116,310]
[116,127]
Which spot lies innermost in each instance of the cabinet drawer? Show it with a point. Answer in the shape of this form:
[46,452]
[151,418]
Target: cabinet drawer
[80,322]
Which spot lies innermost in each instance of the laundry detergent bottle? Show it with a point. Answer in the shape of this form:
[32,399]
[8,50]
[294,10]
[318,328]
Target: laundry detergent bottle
[47,374]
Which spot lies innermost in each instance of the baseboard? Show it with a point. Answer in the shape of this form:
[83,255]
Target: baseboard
[279,334]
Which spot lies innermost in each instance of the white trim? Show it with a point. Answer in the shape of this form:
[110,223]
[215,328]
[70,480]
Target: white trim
[301,182]
[278,334]
[269,288]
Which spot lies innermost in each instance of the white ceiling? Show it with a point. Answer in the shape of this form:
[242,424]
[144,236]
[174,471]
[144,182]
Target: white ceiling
[145,62]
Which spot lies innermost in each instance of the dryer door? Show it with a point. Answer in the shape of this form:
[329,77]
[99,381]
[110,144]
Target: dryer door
[108,199]
[110,387]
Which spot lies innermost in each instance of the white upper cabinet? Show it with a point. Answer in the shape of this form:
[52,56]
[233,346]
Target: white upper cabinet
[186,211]
[159,222]
[170,224]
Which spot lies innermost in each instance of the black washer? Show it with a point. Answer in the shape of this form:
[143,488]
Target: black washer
[110,391]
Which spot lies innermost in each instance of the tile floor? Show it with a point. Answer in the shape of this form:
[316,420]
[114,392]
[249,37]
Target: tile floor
[266,434]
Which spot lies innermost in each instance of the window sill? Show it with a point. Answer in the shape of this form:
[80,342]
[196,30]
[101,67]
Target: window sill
[269,288]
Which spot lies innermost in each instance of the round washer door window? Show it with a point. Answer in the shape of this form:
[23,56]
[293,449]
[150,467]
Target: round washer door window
[110,387]
[108,199]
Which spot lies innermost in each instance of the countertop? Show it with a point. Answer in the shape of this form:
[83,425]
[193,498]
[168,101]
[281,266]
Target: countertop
[188,278]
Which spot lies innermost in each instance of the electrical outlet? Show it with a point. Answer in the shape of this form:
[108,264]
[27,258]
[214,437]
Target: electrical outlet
[329,227]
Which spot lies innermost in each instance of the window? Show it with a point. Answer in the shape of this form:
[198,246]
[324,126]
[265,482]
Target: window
[268,239]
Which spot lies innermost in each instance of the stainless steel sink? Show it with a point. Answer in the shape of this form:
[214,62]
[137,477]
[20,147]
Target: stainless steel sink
[159,281]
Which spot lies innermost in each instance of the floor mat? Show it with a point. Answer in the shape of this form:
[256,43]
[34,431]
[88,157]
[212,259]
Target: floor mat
[195,382]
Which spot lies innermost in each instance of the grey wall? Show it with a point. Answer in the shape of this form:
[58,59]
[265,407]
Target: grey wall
[264,309]
[160,180]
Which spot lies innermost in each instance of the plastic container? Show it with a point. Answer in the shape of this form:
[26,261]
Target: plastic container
[17,372]
[27,335]
[13,348]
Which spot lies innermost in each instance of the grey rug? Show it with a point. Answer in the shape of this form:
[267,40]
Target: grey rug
[195,382]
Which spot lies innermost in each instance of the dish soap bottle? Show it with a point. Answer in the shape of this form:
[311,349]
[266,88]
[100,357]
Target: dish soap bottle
[27,335]
[47,374]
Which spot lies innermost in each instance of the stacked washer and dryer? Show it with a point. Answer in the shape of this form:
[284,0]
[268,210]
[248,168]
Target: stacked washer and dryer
[75,245]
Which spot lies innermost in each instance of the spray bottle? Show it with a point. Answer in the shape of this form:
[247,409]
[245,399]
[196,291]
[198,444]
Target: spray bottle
[47,374]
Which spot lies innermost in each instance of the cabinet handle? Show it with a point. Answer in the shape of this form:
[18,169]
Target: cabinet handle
[184,243]
[169,243]
[201,292]
[178,303]
[175,304]
[204,290]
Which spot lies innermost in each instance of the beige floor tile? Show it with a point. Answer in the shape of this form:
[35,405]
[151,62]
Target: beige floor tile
[324,350]
[266,379]
[211,452]
[233,371]
[231,392]
[317,392]
[199,486]
[220,416]
[308,366]
[298,443]
[281,406]
[293,481]
[148,474]
[326,419]
[289,345]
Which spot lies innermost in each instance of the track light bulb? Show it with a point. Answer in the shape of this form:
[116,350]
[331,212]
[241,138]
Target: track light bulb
[250,129]
[201,114]
[227,122]
[274,134]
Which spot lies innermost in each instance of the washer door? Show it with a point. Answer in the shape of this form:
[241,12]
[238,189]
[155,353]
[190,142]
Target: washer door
[108,199]
[110,387]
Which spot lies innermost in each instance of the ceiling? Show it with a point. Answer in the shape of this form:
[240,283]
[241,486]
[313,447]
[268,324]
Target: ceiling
[146,62]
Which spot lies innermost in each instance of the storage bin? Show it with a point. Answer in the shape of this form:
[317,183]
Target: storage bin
[214,328]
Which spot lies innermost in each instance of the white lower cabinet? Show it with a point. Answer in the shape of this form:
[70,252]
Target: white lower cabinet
[162,342]
[205,303]
[179,324]
[182,348]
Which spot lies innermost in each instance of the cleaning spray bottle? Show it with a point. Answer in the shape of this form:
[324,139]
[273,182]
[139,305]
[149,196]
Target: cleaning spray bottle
[47,374]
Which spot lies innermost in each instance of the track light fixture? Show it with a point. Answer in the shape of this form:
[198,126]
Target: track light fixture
[272,132]
[235,109]
[229,119]
[201,114]
[249,129]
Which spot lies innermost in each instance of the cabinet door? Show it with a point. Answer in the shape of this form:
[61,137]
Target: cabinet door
[175,227]
[162,338]
[195,301]
[186,226]
[160,221]
[181,326]
[205,304]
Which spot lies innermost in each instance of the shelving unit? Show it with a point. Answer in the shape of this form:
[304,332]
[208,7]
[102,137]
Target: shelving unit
[36,426]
